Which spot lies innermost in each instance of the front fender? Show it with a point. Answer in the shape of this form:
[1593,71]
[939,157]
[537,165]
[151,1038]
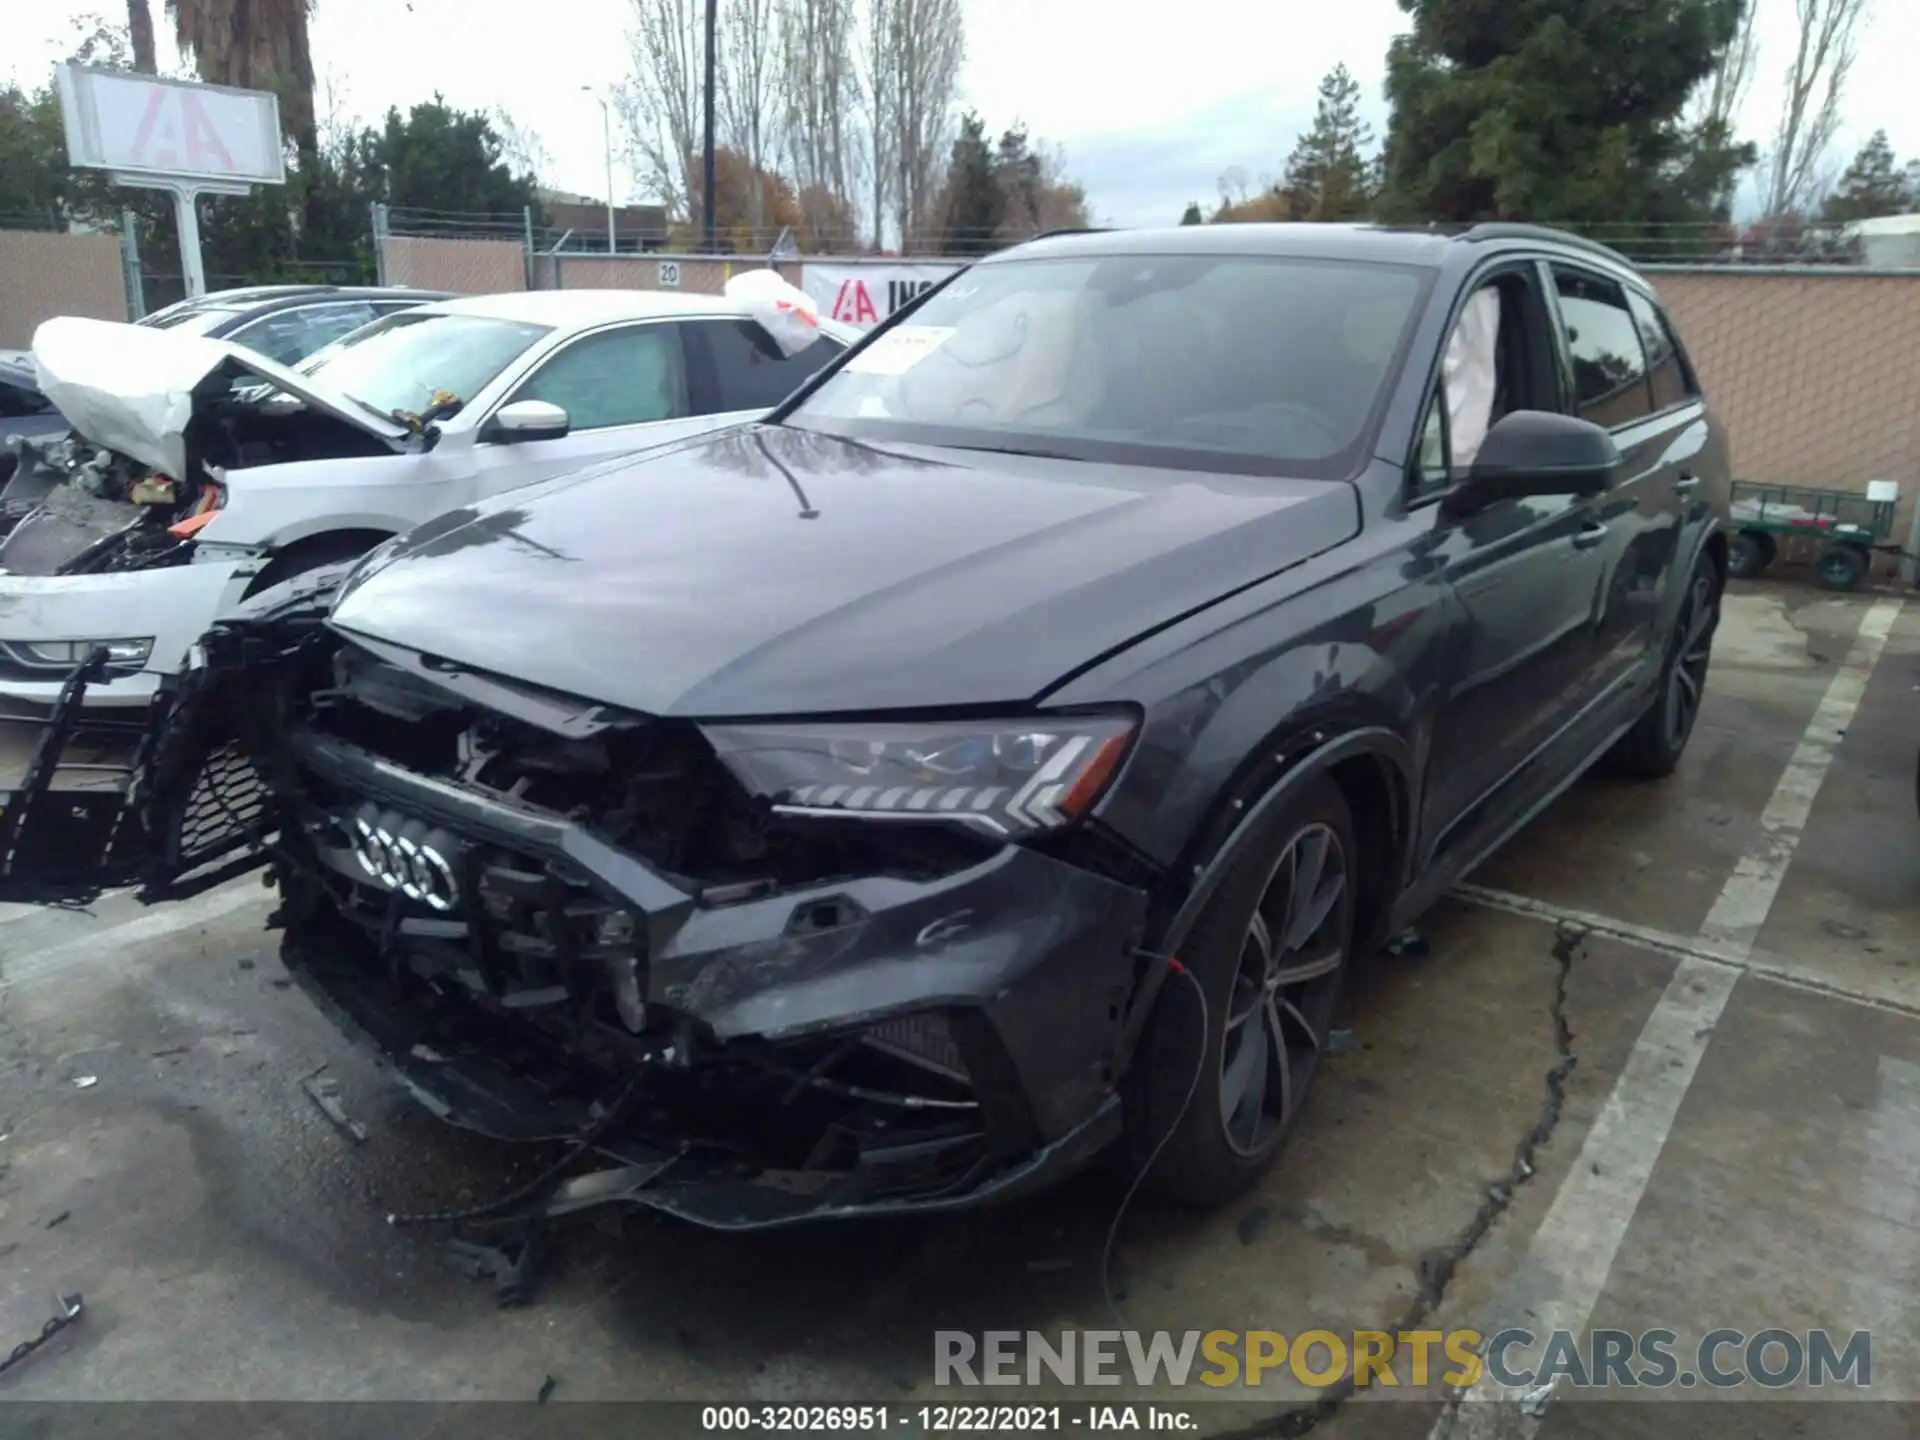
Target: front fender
[1366,651]
[275,506]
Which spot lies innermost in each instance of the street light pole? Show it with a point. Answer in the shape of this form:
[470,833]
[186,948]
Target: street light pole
[708,179]
[606,128]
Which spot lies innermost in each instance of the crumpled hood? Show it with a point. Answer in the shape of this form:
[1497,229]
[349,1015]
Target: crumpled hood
[768,570]
[131,388]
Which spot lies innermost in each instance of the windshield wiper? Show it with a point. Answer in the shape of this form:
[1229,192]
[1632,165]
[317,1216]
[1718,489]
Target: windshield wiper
[1026,450]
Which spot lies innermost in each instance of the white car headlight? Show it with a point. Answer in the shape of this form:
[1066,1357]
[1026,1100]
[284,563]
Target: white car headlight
[1014,778]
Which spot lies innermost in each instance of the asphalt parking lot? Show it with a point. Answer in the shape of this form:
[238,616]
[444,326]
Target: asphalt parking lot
[1658,1067]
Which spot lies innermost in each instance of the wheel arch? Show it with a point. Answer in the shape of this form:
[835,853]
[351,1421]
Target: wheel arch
[317,548]
[1373,767]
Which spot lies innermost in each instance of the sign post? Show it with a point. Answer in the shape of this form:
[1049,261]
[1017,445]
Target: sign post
[174,135]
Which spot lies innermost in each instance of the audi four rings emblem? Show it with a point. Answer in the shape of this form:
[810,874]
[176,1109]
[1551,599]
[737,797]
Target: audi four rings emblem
[406,855]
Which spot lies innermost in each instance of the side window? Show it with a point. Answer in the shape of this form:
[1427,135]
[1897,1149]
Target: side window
[748,370]
[1609,367]
[1487,371]
[1670,385]
[617,377]
[290,336]
[1434,467]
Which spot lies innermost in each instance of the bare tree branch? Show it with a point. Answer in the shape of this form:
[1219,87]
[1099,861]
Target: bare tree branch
[821,91]
[928,46]
[750,100]
[1726,89]
[1826,44]
[661,104]
[520,145]
[878,82]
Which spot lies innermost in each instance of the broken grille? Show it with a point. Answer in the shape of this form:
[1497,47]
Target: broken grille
[226,807]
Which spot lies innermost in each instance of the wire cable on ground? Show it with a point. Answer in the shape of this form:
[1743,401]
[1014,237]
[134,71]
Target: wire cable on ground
[1153,1158]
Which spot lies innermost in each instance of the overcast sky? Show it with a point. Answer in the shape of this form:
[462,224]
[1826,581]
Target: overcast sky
[1151,103]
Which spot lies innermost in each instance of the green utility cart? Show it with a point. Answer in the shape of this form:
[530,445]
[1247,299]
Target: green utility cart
[1841,528]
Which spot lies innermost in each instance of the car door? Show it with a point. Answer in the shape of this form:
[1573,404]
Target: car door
[738,372]
[1524,571]
[1614,351]
[624,388]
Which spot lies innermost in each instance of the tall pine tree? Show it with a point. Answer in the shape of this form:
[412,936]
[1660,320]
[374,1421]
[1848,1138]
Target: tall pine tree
[1330,175]
[1558,111]
[1875,184]
[975,203]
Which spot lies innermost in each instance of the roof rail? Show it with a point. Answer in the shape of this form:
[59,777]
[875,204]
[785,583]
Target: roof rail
[1517,230]
[1071,230]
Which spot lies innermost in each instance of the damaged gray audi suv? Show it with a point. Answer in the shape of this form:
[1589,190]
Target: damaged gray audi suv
[996,758]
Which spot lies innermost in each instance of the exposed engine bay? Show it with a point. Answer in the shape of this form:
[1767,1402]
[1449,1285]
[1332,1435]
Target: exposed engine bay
[558,922]
[73,507]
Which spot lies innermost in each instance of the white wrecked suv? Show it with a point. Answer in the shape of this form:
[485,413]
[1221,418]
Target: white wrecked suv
[198,473]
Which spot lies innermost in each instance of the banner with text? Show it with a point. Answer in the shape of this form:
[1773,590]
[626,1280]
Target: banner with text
[864,295]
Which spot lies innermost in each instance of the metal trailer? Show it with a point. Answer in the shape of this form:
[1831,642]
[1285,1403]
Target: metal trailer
[1842,529]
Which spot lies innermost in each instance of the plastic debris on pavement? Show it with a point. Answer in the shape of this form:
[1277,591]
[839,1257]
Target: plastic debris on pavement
[786,312]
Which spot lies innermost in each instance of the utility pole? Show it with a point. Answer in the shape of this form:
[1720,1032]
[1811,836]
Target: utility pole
[606,128]
[708,182]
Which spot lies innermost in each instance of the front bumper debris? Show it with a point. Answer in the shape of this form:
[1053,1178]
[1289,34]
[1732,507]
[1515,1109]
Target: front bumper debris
[98,800]
[996,997]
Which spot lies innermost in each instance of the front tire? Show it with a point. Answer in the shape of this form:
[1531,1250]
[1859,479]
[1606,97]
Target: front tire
[1271,953]
[1652,749]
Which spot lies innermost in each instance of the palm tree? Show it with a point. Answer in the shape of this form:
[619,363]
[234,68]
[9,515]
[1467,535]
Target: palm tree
[255,45]
[140,32]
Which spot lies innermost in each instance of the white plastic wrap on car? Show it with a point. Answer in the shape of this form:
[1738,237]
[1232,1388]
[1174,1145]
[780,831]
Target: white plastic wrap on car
[786,312]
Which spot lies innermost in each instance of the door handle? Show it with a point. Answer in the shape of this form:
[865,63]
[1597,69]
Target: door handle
[1686,483]
[1590,535]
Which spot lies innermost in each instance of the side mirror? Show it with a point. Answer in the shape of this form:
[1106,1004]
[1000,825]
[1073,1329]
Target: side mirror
[527,420]
[1536,452]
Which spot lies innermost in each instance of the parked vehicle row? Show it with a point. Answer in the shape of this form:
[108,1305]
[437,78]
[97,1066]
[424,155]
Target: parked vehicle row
[198,472]
[992,759]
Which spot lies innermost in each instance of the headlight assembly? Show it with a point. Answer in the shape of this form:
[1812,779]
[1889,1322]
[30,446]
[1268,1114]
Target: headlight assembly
[1012,778]
[121,654]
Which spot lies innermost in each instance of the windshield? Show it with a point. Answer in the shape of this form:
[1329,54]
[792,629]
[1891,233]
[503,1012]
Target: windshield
[399,366]
[197,321]
[1235,362]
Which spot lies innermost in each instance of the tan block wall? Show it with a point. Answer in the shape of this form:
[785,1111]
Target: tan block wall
[635,272]
[466,267]
[1816,376]
[44,273]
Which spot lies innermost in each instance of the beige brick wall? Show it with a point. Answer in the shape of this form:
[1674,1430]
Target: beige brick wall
[47,273]
[1816,376]
[466,267]
[633,272]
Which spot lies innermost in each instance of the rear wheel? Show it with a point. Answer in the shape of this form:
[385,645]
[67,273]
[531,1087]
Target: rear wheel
[1748,554]
[1271,955]
[1840,567]
[1652,749]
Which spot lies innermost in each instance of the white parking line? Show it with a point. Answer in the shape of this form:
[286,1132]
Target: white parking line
[1572,1253]
[103,944]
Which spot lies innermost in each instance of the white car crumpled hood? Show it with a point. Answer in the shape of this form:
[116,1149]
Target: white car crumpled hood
[130,388]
